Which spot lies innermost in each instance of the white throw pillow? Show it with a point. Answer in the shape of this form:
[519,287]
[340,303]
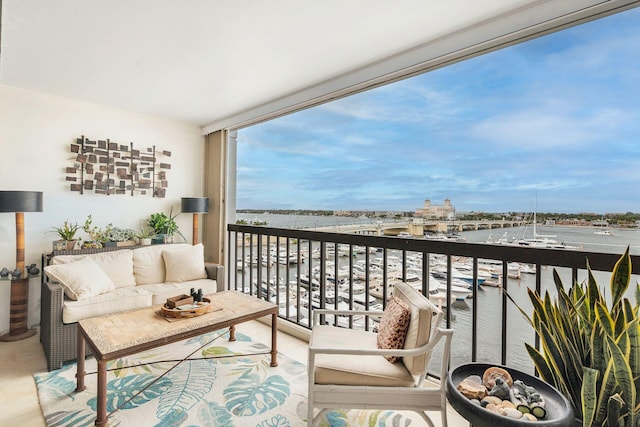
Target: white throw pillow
[81,279]
[148,263]
[185,264]
[118,265]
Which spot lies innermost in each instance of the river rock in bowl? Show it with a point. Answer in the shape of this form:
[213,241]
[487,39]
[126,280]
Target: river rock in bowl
[490,375]
[472,387]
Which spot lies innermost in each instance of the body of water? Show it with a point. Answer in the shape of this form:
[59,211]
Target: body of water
[583,238]
[489,299]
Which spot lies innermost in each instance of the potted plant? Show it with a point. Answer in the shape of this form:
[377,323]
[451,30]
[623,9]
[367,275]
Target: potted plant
[590,346]
[120,237]
[67,235]
[144,237]
[164,226]
[97,236]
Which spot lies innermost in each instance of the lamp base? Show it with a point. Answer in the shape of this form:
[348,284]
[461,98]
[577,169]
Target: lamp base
[8,337]
[18,309]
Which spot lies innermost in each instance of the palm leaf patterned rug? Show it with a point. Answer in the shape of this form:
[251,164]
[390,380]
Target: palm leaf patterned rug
[219,386]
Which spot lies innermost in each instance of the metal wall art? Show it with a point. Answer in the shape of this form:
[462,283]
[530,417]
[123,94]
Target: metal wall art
[106,167]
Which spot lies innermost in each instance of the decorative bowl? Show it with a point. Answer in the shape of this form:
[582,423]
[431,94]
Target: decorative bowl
[559,410]
[202,308]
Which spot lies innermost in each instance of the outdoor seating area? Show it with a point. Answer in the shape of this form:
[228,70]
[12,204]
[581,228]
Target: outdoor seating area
[208,213]
[94,282]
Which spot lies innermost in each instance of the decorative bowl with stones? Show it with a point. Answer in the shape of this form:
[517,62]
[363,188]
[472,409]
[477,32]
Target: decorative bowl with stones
[559,412]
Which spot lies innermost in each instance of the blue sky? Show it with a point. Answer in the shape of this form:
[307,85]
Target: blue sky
[555,119]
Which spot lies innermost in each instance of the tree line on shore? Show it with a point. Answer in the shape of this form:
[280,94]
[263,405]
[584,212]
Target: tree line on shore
[613,219]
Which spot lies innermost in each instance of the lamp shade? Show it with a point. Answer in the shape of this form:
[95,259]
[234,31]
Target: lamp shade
[20,201]
[195,204]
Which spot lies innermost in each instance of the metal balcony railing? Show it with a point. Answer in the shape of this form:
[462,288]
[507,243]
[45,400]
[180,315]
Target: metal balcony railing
[301,270]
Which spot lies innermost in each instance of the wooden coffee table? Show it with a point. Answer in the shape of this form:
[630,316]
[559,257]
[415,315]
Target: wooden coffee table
[122,334]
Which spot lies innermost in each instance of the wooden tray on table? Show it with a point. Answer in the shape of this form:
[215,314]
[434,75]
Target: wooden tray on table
[192,310]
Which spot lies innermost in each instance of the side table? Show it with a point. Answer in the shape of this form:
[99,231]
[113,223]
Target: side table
[18,311]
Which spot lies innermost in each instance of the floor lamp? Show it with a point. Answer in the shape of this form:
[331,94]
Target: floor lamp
[19,202]
[195,205]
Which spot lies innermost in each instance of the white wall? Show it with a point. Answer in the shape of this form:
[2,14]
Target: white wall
[35,133]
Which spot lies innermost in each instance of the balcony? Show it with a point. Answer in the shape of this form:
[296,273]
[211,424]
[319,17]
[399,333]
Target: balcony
[301,270]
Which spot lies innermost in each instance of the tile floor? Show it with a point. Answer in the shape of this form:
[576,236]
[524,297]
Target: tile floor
[19,360]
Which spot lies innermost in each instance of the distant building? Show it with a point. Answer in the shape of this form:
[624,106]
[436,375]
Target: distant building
[429,211]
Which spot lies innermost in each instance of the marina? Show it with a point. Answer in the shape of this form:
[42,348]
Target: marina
[346,275]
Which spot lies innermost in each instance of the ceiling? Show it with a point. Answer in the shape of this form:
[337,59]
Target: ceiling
[224,63]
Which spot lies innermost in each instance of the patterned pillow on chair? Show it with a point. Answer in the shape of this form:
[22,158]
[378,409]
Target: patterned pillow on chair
[393,326]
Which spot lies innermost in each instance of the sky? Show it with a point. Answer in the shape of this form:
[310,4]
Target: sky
[552,124]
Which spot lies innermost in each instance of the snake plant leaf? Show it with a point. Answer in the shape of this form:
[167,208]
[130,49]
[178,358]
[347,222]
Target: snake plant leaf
[621,277]
[614,406]
[620,319]
[628,311]
[623,376]
[571,380]
[538,306]
[634,345]
[602,314]
[524,313]
[575,335]
[607,389]
[593,291]
[541,365]
[598,359]
[580,305]
[588,395]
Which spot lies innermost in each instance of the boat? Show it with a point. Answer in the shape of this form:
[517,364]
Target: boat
[281,257]
[603,232]
[451,237]
[537,241]
[360,303]
[457,292]
[440,272]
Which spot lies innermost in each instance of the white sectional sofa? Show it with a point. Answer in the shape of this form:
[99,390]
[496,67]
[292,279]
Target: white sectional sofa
[90,283]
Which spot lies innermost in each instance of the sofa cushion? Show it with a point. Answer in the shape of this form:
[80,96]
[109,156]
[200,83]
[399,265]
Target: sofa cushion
[355,369]
[393,326]
[162,291]
[148,263]
[117,264]
[80,279]
[184,264]
[115,301]
[419,330]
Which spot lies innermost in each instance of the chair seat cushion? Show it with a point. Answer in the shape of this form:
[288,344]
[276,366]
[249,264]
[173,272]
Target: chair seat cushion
[355,369]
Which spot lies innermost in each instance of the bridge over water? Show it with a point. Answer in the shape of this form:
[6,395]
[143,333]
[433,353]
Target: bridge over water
[419,228]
